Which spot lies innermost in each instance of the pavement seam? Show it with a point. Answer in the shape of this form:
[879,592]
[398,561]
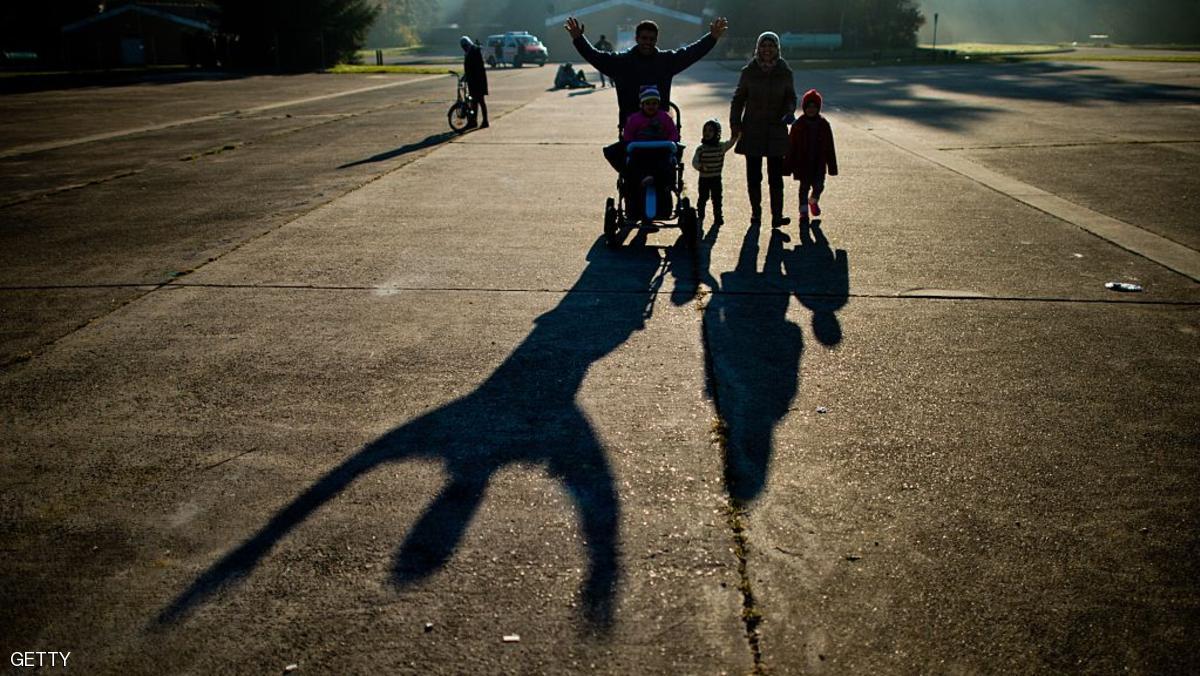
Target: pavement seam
[122,133]
[1125,299]
[1070,144]
[1171,255]
[36,352]
[226,146]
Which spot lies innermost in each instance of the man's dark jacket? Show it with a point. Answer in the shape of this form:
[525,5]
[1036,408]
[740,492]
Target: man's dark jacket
[475,72]
[630,70]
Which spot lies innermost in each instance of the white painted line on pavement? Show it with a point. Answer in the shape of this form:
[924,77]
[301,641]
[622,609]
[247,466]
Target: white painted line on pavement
[1159,249]
[66,143]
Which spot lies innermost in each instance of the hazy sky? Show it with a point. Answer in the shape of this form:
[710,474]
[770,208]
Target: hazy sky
[1164,21]
[1043,21]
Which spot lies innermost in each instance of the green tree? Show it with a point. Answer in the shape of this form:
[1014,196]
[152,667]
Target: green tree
[877,24]
[400,22]
[298,34]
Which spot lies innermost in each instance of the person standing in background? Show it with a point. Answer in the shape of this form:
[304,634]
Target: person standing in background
[476,75]
[603,45]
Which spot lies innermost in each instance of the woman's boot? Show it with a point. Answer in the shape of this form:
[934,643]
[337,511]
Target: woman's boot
[777,217]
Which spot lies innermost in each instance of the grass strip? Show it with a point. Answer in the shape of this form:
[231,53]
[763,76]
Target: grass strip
[1147,58]
[351,69]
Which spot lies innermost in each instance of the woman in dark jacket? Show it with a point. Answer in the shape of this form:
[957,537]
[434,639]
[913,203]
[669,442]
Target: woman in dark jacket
[476,76]
[762,107]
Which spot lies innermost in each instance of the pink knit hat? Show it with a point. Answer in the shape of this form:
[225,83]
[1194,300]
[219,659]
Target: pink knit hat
[811,96]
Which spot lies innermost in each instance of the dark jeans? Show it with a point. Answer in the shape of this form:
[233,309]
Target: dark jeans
[774,184]
[710,187]
[817,185]
[480,105]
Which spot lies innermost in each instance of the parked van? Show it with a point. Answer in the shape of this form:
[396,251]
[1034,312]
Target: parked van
[515,48]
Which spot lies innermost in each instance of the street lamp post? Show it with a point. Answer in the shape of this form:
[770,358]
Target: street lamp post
[935,20]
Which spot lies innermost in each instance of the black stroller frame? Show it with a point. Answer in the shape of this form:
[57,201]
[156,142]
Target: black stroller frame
[617,221]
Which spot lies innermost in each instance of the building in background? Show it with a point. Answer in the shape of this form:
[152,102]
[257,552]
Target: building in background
[147,33]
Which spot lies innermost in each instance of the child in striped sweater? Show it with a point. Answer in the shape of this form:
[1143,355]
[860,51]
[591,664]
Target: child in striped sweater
[709,159]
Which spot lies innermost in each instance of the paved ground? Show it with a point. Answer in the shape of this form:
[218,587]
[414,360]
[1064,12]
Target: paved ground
[290,376]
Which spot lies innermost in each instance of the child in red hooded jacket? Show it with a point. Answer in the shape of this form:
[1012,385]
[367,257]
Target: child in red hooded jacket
[810,153]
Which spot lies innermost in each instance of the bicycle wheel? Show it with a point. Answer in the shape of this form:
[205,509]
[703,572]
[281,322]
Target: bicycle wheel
[459,116]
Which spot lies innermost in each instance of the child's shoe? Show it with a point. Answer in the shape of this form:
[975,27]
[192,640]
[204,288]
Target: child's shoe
[718,219]
[816,209]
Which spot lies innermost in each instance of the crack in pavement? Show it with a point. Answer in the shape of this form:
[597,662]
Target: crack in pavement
[40,194]
[735,512]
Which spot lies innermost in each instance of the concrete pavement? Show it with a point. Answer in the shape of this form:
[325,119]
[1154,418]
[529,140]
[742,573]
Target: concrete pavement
[386,430]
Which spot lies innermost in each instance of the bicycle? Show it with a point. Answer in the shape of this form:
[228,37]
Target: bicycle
[462,113]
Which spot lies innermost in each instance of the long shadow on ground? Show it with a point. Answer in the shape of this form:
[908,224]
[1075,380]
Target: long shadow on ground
[427,142]
[754,350]
[525,412]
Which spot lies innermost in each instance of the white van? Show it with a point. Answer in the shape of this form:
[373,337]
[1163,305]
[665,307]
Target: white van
[515,48]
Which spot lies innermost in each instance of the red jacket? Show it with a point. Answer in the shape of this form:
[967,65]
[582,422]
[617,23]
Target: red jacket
[809,161]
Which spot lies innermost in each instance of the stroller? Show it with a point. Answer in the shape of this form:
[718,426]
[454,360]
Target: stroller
[650,205]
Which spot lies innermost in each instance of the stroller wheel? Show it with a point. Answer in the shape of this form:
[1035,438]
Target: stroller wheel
[611,223]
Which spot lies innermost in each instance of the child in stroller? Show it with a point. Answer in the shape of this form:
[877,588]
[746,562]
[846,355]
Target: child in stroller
[651,156]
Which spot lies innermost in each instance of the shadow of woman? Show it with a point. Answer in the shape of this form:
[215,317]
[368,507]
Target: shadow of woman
[525,412]
[754,360]
[820,280]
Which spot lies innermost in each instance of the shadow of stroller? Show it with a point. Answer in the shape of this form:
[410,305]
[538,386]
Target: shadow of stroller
[525,412]
[754,351]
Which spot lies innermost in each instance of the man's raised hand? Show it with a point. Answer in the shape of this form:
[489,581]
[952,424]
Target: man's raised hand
[573,27]
[718,26]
